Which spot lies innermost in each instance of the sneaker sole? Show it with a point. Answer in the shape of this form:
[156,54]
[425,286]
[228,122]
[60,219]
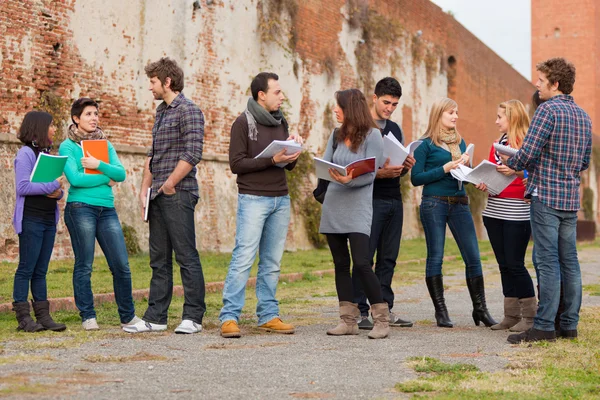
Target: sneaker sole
[366,328]
[179,332]
[231,335]
[284,332]
[405,325]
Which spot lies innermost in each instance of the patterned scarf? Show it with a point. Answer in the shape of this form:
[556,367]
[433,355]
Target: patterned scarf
[77,136]
[451,138]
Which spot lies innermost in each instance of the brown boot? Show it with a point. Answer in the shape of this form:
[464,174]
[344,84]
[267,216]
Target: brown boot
[26,323]
[528,311]
[42,315]
[512,314]
[349,314]
[381,321]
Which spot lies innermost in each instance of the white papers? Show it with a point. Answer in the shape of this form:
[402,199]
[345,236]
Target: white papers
[147,205]
[506,150]
[470,152]
[290,147]
[359,167]
[486,173]
[395,151]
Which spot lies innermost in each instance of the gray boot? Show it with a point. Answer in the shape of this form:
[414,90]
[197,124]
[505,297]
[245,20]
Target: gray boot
[349,313]
[528,310]
[42,315]
[26,323]
[381,321]
[512,314]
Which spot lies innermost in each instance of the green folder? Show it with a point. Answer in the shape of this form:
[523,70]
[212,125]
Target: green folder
[48,168]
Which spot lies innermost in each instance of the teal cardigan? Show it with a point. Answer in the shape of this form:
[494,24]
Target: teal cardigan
[429,170]
[92,189]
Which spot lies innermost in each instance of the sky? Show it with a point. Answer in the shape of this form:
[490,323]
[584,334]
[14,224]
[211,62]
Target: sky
[504,26]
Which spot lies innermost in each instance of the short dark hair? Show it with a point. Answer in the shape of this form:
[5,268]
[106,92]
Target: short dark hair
[559,70]
[260,83]
[34,128]
[166,68]
[79,105]
[388,86]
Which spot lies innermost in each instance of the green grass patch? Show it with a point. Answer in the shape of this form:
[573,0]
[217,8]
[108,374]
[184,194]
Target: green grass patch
[593,289]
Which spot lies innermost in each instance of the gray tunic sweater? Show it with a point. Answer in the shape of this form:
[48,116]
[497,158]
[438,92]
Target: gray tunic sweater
[349,208]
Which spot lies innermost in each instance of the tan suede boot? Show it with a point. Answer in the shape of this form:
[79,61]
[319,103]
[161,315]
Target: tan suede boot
[381,321]
[349,314]
[529,307]
[512,314]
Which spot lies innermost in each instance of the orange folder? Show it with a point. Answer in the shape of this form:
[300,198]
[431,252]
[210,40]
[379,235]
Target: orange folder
[97,149]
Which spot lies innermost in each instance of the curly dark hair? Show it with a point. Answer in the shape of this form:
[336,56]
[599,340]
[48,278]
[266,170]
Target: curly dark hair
[559,70]
[166,68]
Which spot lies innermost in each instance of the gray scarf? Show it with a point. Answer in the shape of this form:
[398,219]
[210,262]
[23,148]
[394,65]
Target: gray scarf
[255,113]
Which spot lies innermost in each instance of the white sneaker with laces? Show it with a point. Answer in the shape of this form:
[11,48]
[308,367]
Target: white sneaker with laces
[90,324]
[134,321]
[143,326]
[188,326]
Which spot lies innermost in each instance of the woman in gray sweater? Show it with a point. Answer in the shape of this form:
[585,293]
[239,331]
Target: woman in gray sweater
[347,212]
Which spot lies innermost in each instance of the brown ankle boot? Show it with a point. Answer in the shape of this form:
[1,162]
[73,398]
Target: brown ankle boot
[42,315]
[349,314]
[512,314]
[528,310]
[381,321]
[26,323]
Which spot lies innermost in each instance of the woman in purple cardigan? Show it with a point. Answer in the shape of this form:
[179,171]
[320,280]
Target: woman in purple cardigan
[35,218]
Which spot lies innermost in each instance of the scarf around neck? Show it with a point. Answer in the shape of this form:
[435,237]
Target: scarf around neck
[77,136]
[255,113]
[451,138]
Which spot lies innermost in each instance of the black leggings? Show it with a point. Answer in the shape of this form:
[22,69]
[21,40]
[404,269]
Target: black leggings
[359,247]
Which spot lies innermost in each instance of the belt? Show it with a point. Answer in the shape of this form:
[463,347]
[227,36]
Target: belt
[453,199]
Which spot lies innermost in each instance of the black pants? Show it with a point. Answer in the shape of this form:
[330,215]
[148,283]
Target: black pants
[509,240]
[359,248]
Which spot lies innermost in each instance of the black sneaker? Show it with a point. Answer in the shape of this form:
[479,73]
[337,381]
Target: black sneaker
[567,334]
[365,323]
[532,335]
[397,321]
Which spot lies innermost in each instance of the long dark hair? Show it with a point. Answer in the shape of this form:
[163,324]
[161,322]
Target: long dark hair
[34,129]
[357,117]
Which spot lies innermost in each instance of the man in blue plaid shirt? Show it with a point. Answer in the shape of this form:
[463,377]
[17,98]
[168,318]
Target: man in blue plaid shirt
[555,151]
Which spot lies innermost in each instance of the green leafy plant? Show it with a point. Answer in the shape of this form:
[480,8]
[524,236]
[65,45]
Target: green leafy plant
[131,239]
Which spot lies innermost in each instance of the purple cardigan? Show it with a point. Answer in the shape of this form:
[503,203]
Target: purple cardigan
[24,163]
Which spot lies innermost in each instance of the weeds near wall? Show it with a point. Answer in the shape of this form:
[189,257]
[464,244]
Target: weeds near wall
[587,204]
[131,239]
[272,28]
[54,105]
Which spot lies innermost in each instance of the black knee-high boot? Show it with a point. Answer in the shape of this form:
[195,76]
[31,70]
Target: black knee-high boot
[480,311]
[435,285]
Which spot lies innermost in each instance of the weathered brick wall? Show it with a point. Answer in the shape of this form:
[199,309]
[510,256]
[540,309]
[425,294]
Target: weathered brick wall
[61,50]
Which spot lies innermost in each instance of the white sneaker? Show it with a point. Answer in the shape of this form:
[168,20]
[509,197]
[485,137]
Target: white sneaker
[188,326]
[143,326]
[90,324]
[134,321]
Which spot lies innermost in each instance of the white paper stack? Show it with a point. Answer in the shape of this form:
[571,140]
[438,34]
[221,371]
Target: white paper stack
[486,173]
[395,151]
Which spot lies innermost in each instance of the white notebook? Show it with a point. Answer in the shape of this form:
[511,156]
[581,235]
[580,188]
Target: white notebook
[486,173]
[395,151]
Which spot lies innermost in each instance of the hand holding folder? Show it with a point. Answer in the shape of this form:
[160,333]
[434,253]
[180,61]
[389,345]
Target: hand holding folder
[97,149]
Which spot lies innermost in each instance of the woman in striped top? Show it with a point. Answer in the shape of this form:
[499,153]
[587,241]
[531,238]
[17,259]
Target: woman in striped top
[506,218]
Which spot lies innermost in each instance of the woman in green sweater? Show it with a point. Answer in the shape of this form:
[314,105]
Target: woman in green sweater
[90,214]
[445,202]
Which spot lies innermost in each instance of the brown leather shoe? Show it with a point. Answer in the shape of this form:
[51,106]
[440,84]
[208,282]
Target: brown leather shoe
[276,325]
[230,329]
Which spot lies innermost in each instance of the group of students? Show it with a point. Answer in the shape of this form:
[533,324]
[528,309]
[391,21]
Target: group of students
[361,216]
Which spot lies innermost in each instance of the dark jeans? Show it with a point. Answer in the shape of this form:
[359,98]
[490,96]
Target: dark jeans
[386,231]
[509,239]
[36,242]
[359,247]
[172,228]
[435,214]
[87,223]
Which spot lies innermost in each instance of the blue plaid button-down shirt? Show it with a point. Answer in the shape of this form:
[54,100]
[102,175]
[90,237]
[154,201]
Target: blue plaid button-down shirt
[556,149]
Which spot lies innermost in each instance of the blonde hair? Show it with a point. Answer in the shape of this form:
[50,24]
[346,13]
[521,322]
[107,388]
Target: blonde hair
[518,122]
[435,120]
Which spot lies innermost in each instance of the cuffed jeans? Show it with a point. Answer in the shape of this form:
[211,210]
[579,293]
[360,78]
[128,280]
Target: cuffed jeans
[262,225]
[435,214]
[386,232]
[554,235]
[87,223]
[172,228]
[36,242]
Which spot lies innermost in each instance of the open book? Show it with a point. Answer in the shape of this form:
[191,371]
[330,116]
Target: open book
[395,151]
[97,149]
[486,173]
[290,147]
[506,150]
[47,168]
[359,167]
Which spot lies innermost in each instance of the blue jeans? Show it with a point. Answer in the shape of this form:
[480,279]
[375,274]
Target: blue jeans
[554,235]
[36,242]
[172,229]
[262,225]
[435,214]
[386,232]
[87,223]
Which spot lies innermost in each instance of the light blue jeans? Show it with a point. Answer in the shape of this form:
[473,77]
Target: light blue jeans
[262,225]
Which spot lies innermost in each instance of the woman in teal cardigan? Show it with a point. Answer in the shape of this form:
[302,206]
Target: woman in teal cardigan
[445,202]
[90,214]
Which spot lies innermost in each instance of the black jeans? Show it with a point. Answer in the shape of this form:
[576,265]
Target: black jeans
[386,231]
[359,247]
[509,240]
[171,219]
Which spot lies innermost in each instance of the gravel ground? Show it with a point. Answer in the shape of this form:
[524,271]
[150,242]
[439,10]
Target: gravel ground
[308,364]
